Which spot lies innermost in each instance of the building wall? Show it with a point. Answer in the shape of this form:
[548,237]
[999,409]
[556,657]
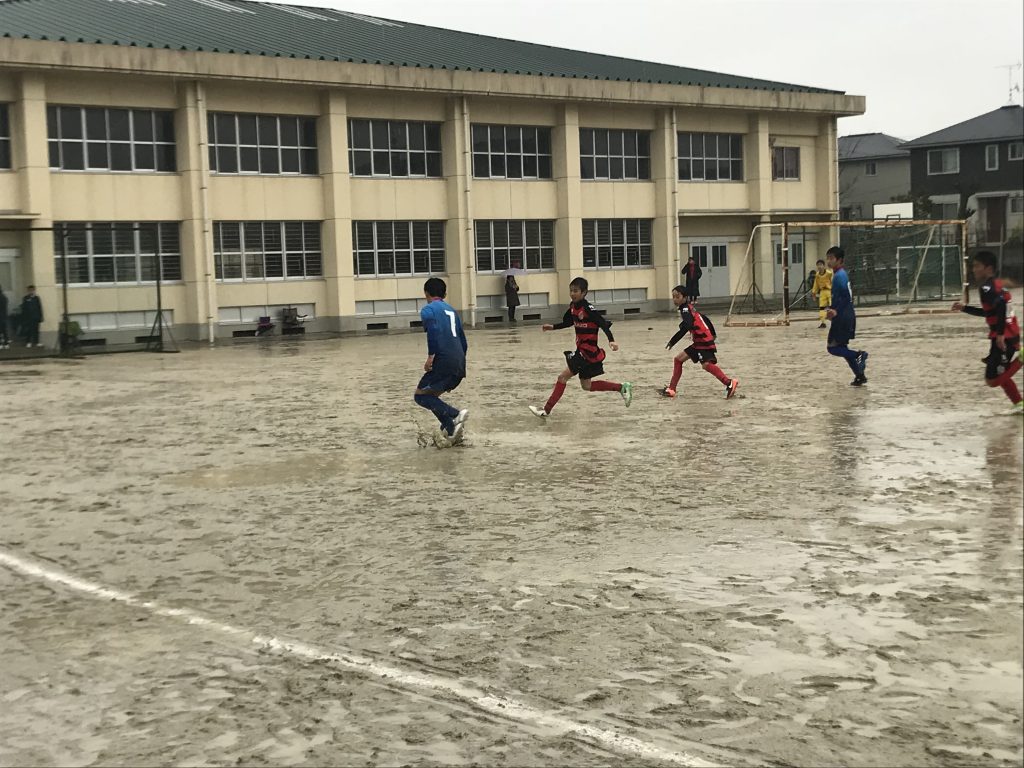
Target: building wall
[859,191]
[972,178]
[200,305]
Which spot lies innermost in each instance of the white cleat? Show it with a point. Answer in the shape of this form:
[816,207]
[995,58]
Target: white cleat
[458,435]
[462,417]
[538,412]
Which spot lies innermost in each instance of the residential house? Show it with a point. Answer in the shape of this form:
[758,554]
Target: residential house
[874,169]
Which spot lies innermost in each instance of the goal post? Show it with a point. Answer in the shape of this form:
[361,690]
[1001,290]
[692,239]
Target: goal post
[901,263]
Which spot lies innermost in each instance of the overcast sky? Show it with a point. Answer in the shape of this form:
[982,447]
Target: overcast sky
[922,64]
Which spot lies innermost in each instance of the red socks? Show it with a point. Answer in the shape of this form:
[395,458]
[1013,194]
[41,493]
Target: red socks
[605,386]
[1007,383]
[556,395]
[715,371]
[677,371]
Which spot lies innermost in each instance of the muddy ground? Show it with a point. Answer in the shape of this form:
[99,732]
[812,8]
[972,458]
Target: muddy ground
[808,574]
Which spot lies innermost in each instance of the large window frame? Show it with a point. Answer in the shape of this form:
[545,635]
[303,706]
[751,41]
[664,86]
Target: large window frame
[715,253]
[248,144]
[948,161]
[785,163]
[1015,151]
[618,244]
[402,248]
[104,253]
[110,139]
[5,139]
[609,154]
[501,243]
[991,157]
[394,149]
[511,152]
[267,251]
[709,156]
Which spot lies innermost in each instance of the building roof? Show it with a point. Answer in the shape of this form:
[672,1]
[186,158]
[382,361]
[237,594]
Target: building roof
[301,32]
[870,146]
[1003,124]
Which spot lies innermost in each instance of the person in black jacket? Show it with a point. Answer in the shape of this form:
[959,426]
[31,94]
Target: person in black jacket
[691,278]
[5,339]
[31,317]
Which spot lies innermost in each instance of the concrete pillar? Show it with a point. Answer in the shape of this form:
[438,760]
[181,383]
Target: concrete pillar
[199,320]
[336,234]
[32,164]
[565,145]
[826,170]
[458,237]
[665,175]
[759,183]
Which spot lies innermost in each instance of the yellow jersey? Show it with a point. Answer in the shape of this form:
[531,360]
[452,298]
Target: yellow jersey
[822,282]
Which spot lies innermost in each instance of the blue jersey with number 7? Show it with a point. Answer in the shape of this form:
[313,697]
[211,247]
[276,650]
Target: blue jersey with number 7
[446,340]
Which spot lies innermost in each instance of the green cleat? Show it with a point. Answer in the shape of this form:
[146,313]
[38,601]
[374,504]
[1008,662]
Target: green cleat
[1017,409]
[627,393]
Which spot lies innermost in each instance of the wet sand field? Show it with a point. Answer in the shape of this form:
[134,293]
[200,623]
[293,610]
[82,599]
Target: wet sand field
[808,574]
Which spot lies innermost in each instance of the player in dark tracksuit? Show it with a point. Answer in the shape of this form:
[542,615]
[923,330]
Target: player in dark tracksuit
[587,360]
[1004,354]
[445,367]
[702,351]
[844,318]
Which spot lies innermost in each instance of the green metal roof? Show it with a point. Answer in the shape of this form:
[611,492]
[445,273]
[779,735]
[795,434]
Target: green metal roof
[303,32]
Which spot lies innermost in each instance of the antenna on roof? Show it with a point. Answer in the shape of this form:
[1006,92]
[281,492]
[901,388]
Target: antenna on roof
[1011,85]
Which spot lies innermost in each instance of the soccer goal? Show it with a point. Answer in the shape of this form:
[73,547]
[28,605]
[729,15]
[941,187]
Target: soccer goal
[904,265]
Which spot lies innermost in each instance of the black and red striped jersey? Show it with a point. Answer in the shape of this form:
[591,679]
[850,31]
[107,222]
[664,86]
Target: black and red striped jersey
[997,309]
[587,320]
[699,327]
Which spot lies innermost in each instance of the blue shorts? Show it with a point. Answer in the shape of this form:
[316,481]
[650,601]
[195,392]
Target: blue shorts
[843,330]
[441,378]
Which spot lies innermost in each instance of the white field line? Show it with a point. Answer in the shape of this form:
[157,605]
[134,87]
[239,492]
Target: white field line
[500,706]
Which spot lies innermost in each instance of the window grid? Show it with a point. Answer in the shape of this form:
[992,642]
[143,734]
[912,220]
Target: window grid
[710,156]
[511,152]
[394,148]
[270,145]
[943,161]
[785,163]
[267,250]
[616,243]
[719,253]
[398,248]
[1015,151]
[114,140]
[116,253]
[870,169]
[5,138]
[501,244]
[992,157]
[613,155]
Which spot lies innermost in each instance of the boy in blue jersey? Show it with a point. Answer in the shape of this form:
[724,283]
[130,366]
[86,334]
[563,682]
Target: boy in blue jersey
[843,317]
[445,367]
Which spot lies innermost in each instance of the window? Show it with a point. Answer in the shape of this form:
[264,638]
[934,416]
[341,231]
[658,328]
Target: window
[116,253]
[267,250]
[511,152]
[1015,150]
[100,139]
[719,253]
[265,144]
[613,155]
[870,169]
[1017,205]
[992,157]
[796,253]
[942,161]
[710,156]
[398,248]
[785,163]
[616,243]
[526,244]
[394,148]
[5,138]
[945,211]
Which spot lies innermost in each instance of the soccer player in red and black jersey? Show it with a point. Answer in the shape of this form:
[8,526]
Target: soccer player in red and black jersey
[1004,355]
[703,350]
[588,358]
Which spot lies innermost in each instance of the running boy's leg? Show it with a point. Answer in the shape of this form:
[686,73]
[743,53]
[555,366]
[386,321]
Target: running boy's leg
[1002,366]
[559,390]
[431,400]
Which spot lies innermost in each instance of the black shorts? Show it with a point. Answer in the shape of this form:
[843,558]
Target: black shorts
[582,367]
[701,355]
[998,360]
[843,330]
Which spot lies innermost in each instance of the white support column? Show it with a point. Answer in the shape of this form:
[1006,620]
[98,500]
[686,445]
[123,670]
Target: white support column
[459,244]
[336,235]
[826,152]
[565,142]
[666,221]
[759,181]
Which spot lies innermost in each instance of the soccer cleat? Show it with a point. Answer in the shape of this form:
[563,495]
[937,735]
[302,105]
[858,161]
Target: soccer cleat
[627,393]
[1017,409]
[667,392]
[463,416]
[860,381]
[1018,355]
[538,412]
[457,434]
[822,326]
[731,388]
[862,363]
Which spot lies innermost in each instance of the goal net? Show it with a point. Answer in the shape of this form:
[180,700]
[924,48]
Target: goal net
[903,265]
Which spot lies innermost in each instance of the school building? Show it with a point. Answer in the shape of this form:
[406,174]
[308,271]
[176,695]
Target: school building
[272,156]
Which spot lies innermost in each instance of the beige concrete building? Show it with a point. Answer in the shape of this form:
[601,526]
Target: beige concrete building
[270,178]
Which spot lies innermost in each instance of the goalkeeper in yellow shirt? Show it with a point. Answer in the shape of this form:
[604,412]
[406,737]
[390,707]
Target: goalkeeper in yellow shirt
[822,290]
